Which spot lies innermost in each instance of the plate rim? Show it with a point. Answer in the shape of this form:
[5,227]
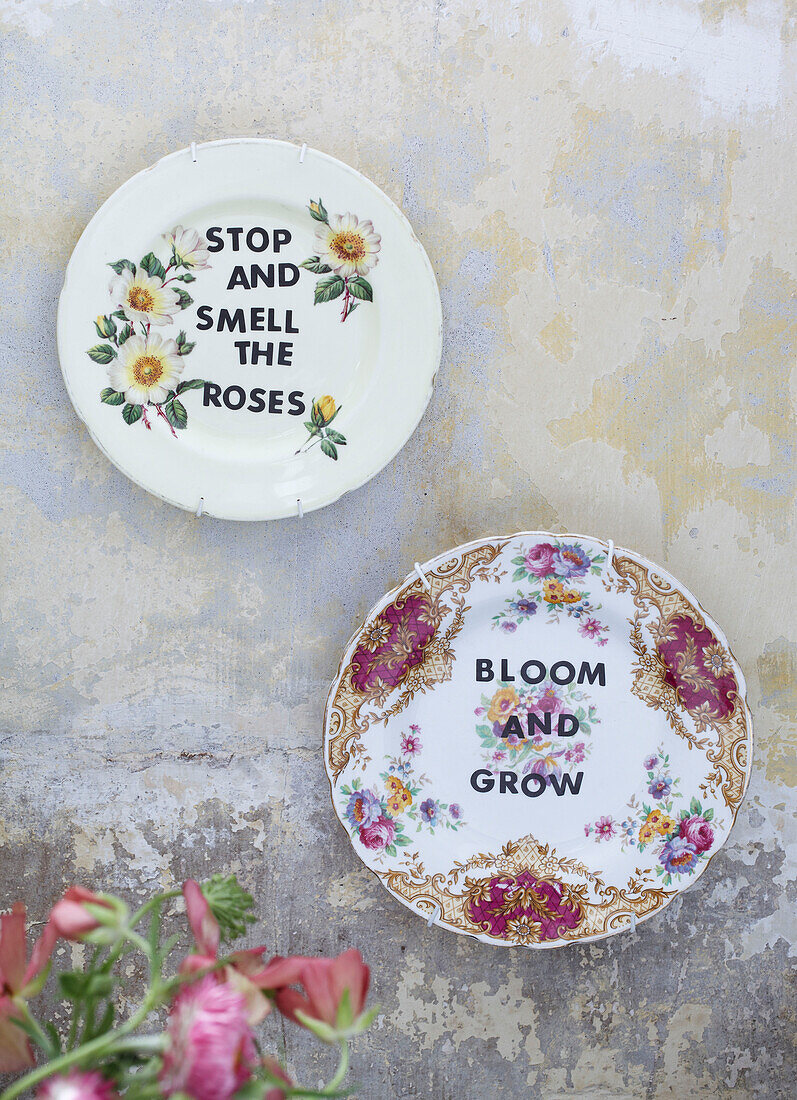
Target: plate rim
[352,484]
[462,548]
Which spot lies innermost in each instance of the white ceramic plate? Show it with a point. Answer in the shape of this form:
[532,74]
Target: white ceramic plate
[538,740]
[267,330]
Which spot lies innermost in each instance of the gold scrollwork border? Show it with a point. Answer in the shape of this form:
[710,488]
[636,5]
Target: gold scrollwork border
[350,712]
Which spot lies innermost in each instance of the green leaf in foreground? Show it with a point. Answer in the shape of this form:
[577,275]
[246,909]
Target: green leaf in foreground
[230,904]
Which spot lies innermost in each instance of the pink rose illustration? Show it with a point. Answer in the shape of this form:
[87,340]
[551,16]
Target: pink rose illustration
[378,834]
[698,832]
[539,560]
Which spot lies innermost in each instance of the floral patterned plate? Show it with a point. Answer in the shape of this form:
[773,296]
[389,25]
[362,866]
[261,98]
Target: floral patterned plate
[538,740]
[233,329]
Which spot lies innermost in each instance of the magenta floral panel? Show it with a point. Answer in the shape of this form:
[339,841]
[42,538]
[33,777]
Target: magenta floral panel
[522,908]
[393,644]
[698,667]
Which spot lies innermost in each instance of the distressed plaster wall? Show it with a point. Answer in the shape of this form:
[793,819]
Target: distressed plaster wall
[605,194]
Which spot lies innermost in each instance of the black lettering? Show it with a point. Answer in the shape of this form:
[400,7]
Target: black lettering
[211,394]
[484,670]
[284,355]
[256,402]
[526,673]
[507,781]
[288,269]
[571,729]
[289,321]
[566,783]
[275,401]
[235,234]
[238,278]
[215,242]
[532,777]
[297,405]
[266,353]
[543,724]
[569,676]
[205,315]
[272,324]
[232,321]
[250,239]
[280,237]
[506,675]
[256,318]
[513,726]
[239,393]
[592,674]
[482,780]
[258,275]
[242,345]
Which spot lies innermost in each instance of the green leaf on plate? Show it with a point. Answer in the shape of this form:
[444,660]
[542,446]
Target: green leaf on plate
[110,396]
[176,414]
[361,288]
[327,289]
[191,383]
[314,264]
[120,265]
[329,449]
[102,353]
[153,266]
[131,413]
[184,298]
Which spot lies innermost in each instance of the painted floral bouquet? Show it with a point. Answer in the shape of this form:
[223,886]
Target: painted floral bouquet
[194,1032]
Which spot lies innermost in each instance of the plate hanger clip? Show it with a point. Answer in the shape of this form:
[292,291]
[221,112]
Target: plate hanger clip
[436,911]
[422,577]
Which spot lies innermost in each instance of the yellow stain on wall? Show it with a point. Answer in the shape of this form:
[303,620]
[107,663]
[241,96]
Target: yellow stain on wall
[559,337]
[661,409]
[650,204]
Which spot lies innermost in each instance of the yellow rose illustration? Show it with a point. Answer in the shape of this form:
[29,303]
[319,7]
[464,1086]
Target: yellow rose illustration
[324,408]
[503,704]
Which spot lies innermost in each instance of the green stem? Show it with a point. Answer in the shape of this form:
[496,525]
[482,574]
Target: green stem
[44,1041]
[101,1045]
[342,1070]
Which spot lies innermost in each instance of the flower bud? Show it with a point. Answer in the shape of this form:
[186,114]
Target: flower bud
[105,326]
[324,410]
[317,211]
[84,916]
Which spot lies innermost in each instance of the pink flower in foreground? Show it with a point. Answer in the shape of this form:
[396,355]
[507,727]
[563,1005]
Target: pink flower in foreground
[245,966]
[326,981]
[210,1053]
[17,981]
[77,1086]
[72,916]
